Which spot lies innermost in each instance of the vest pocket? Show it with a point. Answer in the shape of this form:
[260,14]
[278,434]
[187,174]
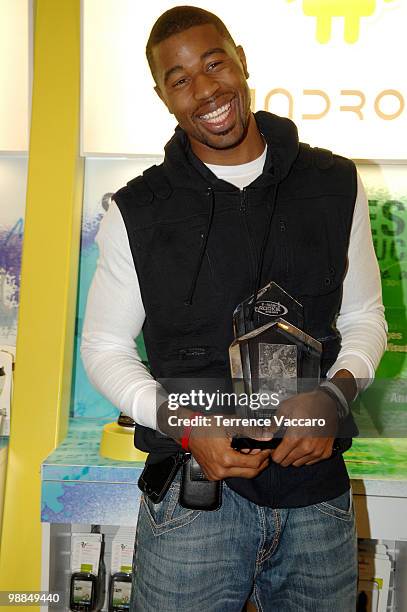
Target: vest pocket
[316,245]
[189,362]
[169,257]
[318,279]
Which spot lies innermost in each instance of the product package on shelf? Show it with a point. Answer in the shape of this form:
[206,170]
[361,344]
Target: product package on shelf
[85,552]
[121,569]
[374,577]
[86,591]
[7,356]
[122,550]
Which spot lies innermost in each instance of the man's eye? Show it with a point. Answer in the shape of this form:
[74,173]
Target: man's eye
[213,65]
[179,82]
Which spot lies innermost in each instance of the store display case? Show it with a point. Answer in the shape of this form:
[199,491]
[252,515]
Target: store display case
[81,489]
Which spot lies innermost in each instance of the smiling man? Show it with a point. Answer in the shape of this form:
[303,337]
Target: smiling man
[215,110]
[237,202]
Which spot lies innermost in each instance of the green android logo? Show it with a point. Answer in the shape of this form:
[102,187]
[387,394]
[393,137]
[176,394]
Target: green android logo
[350,10]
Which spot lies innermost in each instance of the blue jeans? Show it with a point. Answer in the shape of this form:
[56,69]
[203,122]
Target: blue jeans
[284,560]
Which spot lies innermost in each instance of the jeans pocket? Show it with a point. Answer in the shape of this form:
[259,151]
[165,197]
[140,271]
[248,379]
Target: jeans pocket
[340,507]
[168,514]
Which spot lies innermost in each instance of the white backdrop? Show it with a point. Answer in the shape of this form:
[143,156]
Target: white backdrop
[15,62]
[321,73]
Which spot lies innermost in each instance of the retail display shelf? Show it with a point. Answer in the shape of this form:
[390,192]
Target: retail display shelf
[378,466]
[80,486]
[78,458]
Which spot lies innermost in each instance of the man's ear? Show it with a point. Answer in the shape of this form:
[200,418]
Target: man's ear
[162,98]
[242,57]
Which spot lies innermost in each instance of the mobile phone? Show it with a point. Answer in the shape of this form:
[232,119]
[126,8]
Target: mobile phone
[156,478]
[125,421]
[82,592]
[196,492]
[119,592]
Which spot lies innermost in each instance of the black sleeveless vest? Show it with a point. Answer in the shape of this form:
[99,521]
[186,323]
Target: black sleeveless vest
[196,240]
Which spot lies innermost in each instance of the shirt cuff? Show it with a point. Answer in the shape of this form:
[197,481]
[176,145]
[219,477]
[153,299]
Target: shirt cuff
[146,403]
[357,365]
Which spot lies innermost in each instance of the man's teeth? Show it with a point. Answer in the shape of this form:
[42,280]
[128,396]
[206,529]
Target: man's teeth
[219,115]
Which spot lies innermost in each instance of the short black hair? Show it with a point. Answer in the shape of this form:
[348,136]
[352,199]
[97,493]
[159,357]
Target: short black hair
[177,20]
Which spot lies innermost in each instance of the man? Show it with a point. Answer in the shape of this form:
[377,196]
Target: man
[236,203]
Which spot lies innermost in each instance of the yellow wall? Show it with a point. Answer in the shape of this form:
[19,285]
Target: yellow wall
[48,286]
[3,463]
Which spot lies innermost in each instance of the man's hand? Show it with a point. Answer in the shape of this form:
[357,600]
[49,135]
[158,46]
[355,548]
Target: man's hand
[218,460]
[307,445]
[211,446]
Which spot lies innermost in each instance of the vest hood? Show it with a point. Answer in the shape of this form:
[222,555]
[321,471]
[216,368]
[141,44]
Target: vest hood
[183,168]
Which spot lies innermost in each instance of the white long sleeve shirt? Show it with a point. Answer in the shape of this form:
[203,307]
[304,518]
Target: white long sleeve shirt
[115,313]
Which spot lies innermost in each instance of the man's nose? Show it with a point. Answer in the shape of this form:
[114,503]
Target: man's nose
[205,86]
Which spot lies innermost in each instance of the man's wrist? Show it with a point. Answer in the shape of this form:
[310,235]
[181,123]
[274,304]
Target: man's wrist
[342,388]
[333,391]
[187,430]
[346,382]
[176,428]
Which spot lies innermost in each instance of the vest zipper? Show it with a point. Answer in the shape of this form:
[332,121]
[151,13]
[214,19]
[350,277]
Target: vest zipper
[243,211]
[284,253]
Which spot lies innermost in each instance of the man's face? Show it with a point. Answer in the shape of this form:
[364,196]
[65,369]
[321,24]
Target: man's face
[201,78]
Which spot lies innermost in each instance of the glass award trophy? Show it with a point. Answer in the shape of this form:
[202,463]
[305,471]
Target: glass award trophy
[272,303]
[271,355]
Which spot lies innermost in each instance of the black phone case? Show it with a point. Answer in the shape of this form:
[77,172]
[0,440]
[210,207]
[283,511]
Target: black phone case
[153,489]
[196,492]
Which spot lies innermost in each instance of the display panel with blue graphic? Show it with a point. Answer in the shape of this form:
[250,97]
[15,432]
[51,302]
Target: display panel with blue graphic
[102,178]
